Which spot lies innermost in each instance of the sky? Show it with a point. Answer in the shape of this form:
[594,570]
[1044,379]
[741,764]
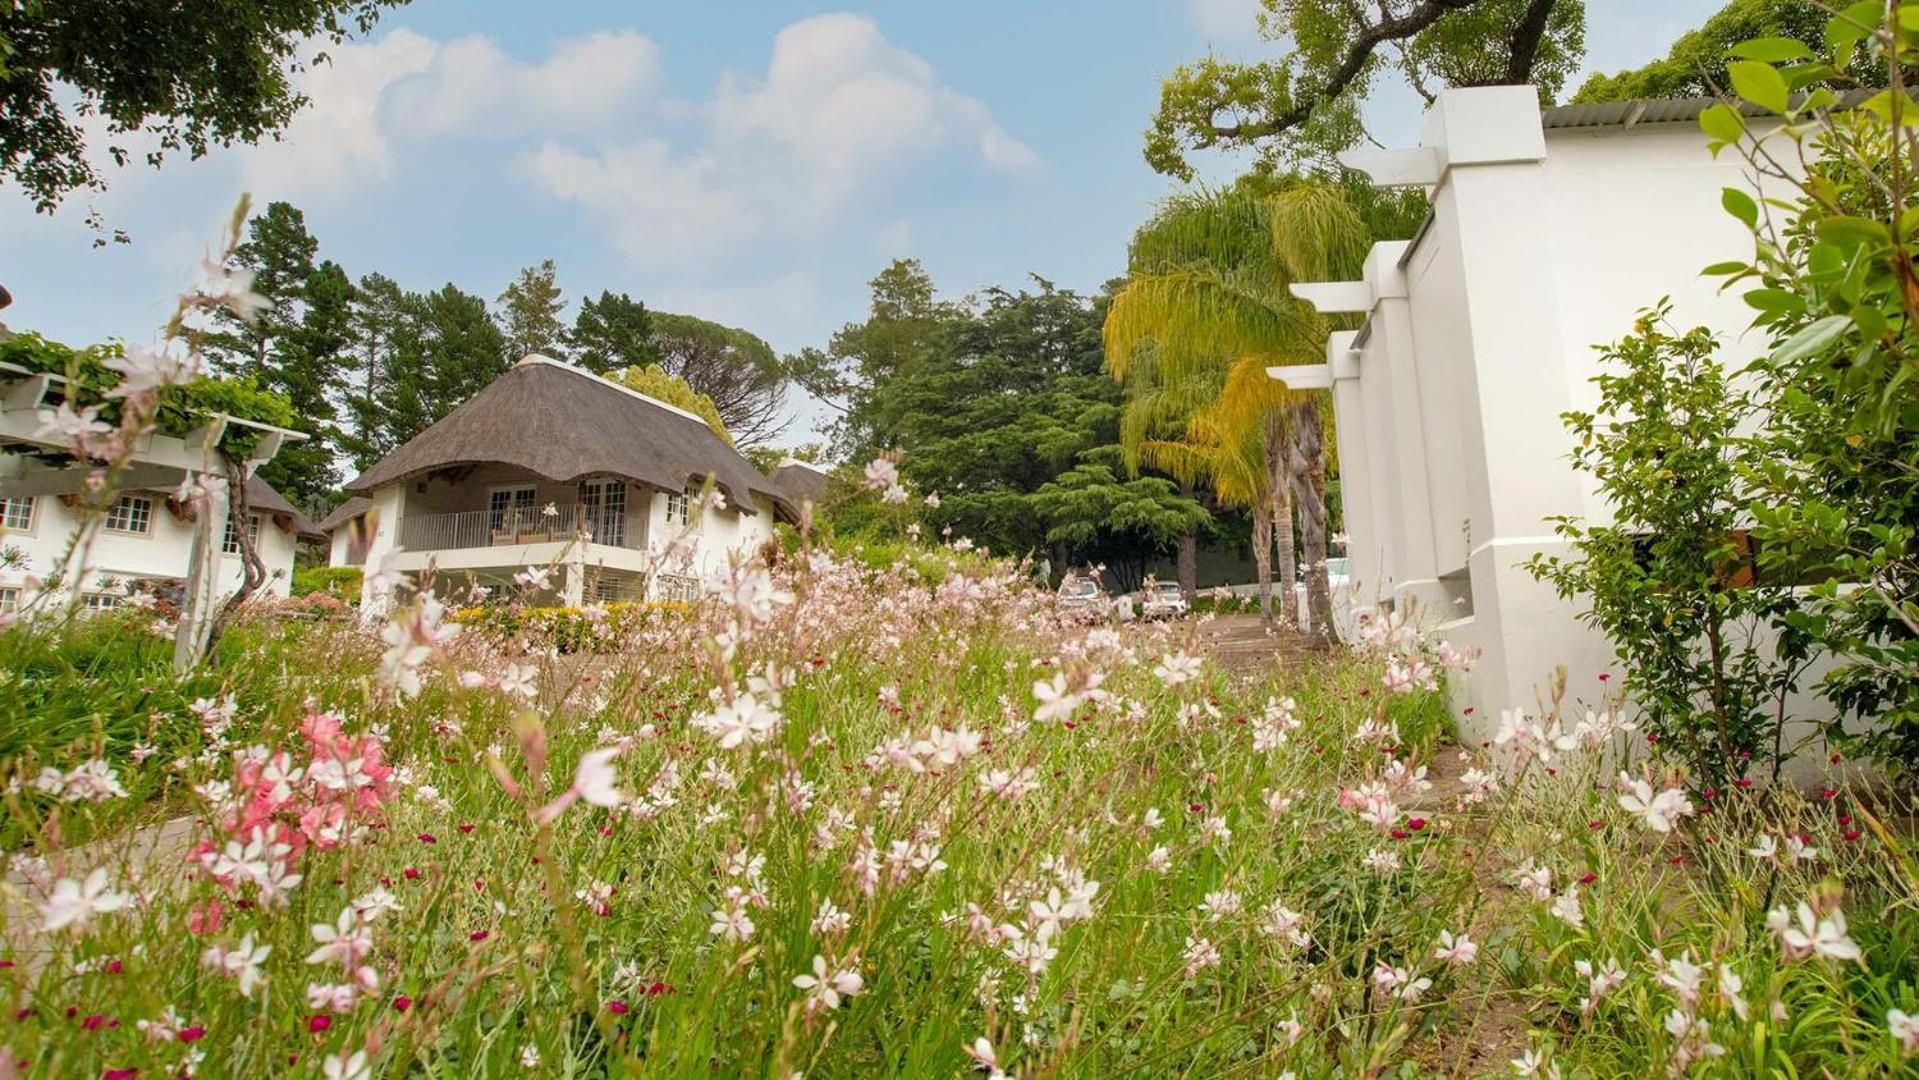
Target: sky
[754,162]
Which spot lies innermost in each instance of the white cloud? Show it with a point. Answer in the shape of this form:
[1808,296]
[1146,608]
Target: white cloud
[406,86]
[837,109]
[338,137]
[660,208]
[1225,18]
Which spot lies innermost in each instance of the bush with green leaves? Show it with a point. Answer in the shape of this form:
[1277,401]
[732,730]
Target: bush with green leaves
[1834,283]
[342,582]
[1708,652]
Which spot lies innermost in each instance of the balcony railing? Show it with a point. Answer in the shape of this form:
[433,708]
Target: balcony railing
[520,526]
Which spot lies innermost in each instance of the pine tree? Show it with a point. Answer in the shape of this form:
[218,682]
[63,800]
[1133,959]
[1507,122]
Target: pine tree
[612,332]
[530,314]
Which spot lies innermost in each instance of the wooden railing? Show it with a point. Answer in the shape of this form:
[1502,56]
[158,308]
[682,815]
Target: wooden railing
[519,526]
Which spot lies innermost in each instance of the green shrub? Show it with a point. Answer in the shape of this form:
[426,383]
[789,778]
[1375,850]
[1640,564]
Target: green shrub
[339,581]
[568,629]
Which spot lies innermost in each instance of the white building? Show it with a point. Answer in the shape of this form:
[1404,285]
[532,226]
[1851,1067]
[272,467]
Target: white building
[553,466]
[1547,234]
[144,544]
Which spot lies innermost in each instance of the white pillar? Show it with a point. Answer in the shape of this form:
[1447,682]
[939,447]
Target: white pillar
[201,601]
[382,523]
[1395,397]
[1358,491]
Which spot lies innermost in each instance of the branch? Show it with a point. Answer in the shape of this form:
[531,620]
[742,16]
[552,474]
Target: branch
[1360,51]
[1526,38]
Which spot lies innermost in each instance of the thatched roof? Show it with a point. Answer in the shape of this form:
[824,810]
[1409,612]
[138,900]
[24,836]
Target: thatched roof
[345,512]
[263,499]
[799,481]
[566,424]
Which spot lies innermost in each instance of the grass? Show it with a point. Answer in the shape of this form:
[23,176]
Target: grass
[585,944]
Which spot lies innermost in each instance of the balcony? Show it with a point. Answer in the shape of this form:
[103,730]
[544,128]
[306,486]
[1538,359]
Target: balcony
[521,527]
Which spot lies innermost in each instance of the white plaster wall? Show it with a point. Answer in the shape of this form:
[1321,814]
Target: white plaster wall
[161,553]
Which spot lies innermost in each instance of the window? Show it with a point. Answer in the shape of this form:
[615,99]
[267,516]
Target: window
[676,506]
[509,508]
[603,504]
[230,544]
[676,588]
[130,514]
[101,601]
[9,599]
[16,514]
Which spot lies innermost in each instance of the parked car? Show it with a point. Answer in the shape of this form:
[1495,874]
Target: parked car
[1080,597]
[1163,600]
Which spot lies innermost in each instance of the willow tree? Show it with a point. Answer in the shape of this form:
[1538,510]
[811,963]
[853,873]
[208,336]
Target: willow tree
[1206,309]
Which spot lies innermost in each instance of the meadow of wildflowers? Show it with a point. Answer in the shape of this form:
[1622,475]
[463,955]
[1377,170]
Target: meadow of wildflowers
[840,821]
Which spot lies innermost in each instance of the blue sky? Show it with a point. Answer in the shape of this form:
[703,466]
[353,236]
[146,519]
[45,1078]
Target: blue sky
[752,162]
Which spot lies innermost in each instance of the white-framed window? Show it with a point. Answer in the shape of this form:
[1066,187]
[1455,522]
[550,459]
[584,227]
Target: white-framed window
[676,507]
[101,601]
[9,599]
[131,514]
[509,507]
[676,588]
[16,513]
[603,505]
[230,544]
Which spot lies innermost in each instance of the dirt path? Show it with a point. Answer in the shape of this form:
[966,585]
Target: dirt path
[1250,649]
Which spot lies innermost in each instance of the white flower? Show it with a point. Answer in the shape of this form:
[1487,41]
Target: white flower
[1177,668]
[243,961]
[344,1067]
[1656,812]
[73,904]
[1460,949]
[831,920]
[1812,934]
[233,290]
[1566,908]
[882,474]
[1904,1027]
[1056,702]
[982,1052]
[1200,954]
[825,990]
[142,369]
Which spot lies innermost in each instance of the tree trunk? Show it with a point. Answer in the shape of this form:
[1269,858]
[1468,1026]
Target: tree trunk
[1263,560]
[253,571]
[1279,493]
[1188,553]
[1309,474]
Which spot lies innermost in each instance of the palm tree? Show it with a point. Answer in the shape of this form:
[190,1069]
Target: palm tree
[1206,309]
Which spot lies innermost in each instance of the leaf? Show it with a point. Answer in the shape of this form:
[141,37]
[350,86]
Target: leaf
[1855,23]
[1722,123]
[1720,269]
[1740,205]
[1852,231]
[1760,84]
[1812,338]
[1772,50]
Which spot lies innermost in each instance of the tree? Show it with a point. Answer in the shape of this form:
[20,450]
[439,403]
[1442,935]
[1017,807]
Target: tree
[612,332]
[294,346]
[384,323]
[1097,518]
[655,382]
[432,352]
[530,314]
[1696,64]
[735,368]
[899,333]
[1302,106]
[188,76]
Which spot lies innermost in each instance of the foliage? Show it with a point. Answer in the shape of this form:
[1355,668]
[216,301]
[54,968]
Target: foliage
[1706,650]
[734,368]
[656,383]
[338,581]
[1301,107]
[1114,522]
[1187,850]
[610,332]
[529,313]
[181,409]
[1696,64]
[568,629]
[1833,283]
[187,77]
[294,347]
[427,353]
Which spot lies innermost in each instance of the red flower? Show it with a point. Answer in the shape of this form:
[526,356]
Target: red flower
[466,827]
[317,1024]
[1851,834]
[477,935]
[402,1003]
[428,838]
[192,1034]
[1595,824]
[94,1022]
[1416,824]
[120,1074]
[412,873]
[1589,878]
[1400,834]
[617,1008]
[1743,782]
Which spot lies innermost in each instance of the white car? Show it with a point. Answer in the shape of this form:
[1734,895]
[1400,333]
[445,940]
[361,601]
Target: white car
[1081,598]
[1163,600]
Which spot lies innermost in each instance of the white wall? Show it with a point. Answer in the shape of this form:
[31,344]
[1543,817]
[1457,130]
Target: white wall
[161,552]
